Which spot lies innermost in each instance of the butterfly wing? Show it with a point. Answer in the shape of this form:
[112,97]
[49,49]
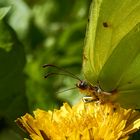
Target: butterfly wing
[112,47]
[121,72]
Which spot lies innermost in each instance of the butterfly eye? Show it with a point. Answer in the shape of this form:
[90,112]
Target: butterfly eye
[82,85]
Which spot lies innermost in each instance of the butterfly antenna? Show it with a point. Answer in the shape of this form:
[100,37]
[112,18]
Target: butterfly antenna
[53,73]
[67,89]
[61,69]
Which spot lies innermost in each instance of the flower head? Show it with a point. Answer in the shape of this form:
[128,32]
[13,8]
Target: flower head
[81,122]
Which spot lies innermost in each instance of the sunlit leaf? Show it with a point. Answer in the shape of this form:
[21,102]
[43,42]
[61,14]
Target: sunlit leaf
[4,11]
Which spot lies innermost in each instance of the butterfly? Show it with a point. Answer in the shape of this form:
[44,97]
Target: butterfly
[111,58]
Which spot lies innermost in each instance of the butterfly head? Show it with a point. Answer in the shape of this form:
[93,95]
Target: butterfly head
[93,93]
[83,85]
[88,90]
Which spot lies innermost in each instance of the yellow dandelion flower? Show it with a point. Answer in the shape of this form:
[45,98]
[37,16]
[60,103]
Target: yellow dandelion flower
[82,122]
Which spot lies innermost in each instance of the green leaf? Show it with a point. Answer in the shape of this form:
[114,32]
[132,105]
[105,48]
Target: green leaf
[4,11]
[13,102]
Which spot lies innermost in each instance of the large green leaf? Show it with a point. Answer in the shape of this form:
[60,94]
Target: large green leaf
[12,91]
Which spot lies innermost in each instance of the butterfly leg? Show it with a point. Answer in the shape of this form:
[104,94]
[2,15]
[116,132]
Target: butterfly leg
[88,99]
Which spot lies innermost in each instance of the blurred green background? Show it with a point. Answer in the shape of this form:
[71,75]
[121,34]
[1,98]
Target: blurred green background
[33,33]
